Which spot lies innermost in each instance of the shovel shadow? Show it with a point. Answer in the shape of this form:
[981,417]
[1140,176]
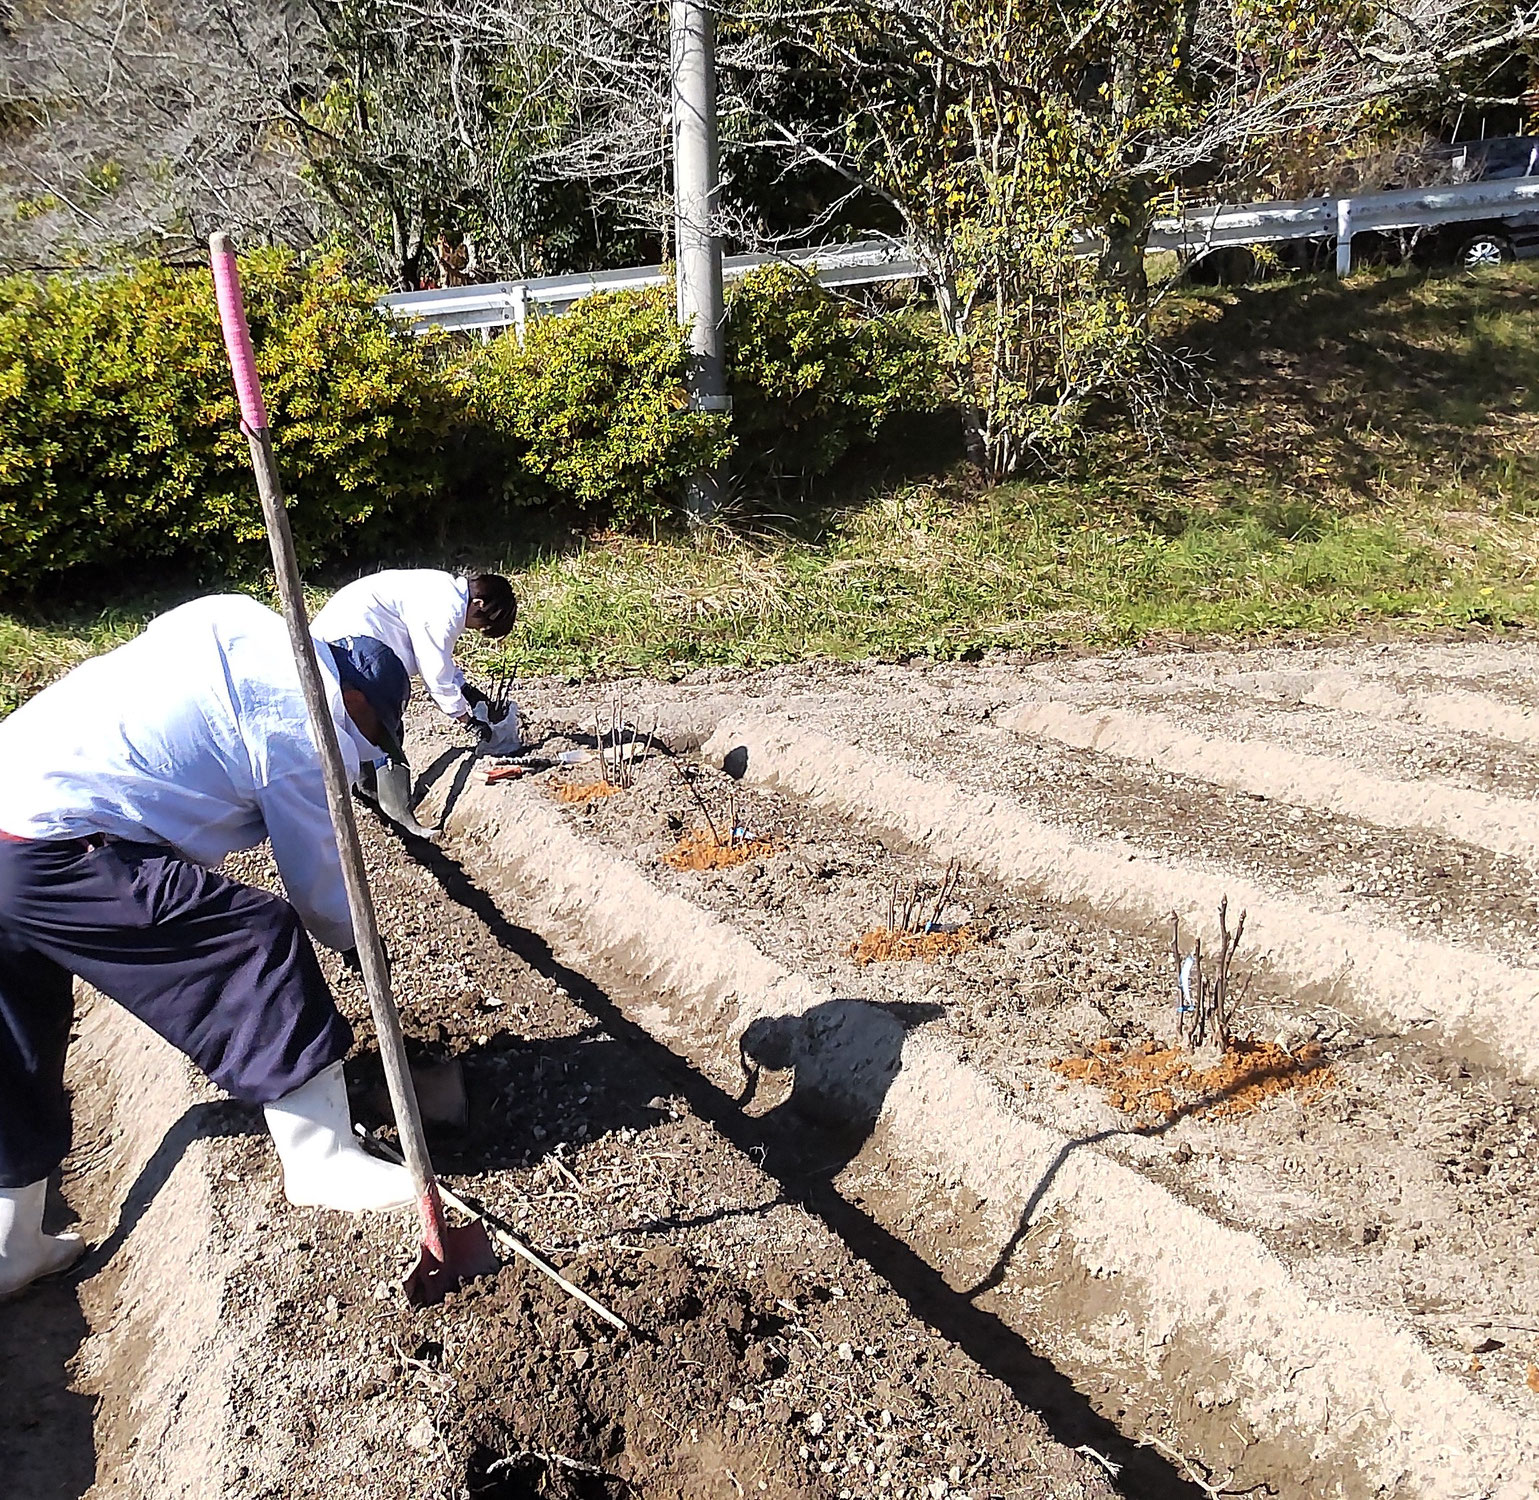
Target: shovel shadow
[465,755]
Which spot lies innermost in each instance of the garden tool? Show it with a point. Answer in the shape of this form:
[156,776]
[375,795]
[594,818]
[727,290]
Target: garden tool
[449,1256]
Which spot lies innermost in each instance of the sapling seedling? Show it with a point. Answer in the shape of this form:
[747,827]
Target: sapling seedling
[619,745]
[1204,1008]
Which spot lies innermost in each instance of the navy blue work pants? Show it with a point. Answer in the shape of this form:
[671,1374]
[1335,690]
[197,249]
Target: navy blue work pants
[221,970]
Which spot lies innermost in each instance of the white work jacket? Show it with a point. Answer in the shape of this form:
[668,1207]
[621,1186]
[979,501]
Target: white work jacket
[419,613]
[195,735]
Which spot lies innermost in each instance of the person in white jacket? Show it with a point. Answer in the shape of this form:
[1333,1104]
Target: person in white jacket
[420,614]
[122,788]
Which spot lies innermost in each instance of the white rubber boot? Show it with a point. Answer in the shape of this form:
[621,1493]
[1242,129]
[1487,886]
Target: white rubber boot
[323,1164]
[26,1253]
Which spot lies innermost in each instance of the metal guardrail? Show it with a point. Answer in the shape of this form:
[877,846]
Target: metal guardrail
[1205,229]
[501,304]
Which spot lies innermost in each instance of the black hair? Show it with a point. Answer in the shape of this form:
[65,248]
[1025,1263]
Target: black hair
[494,594]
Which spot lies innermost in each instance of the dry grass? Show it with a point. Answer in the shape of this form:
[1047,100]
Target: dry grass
[885,945]
[1156,1084]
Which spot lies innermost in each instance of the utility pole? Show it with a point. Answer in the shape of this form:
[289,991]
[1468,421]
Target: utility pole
[695,199]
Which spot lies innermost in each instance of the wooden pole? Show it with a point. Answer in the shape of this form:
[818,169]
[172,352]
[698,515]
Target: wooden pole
[339,802]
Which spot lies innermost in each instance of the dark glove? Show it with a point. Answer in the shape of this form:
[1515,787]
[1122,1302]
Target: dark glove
[473,696]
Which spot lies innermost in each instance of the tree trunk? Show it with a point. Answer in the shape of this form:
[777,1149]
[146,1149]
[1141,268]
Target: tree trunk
[1127,238]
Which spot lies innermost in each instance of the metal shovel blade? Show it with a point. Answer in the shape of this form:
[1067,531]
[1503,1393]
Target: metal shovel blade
[468,1253]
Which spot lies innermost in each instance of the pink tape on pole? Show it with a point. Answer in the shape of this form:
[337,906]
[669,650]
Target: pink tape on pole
[237,333]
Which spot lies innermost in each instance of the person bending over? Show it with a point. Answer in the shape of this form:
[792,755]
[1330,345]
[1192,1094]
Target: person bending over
[122,786]
[420,614]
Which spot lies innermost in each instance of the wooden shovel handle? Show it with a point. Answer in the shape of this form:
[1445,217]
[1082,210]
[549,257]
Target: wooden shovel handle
[360,902]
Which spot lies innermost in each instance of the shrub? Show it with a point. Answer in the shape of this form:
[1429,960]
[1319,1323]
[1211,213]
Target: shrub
[810,379]
[119,436]
[593,409]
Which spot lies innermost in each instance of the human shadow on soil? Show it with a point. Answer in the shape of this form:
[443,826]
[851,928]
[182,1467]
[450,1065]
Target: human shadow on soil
[804,1157]
[47,1430]
[843,1056]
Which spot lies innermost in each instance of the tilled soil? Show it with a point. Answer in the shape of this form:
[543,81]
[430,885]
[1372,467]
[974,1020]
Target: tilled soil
[767,1358]
[1407,1186]
[940,717]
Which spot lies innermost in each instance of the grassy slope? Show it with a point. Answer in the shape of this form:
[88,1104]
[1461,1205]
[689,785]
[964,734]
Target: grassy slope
[1373,458]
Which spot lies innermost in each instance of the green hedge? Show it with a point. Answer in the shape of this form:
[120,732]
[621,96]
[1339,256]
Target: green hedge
[119,436]
[120,446]
[811,379]
[592,410]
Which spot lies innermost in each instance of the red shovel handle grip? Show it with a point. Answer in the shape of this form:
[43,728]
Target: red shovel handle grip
[237,332]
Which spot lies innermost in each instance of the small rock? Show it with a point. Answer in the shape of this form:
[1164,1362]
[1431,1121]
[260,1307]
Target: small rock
[816,1424]
[382,1291]
[846,1352]
[422,1436]
[580,1359]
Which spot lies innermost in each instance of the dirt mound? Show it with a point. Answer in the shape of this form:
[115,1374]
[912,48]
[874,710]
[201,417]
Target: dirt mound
[764,1388]
[1157,1084]
[884,945]
[700,849]
[562,1408]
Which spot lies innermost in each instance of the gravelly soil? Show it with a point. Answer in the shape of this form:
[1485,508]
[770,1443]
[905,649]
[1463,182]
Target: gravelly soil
[771,1361]
[941,718]
[1408,1186]
[779,1363]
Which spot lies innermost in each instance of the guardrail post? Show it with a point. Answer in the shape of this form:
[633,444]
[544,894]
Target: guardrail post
[1343,236]
[520,311]
[697,247]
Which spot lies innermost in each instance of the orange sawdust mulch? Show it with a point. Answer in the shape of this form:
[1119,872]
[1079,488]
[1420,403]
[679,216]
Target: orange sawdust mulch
[1156,1083]
[884,945]
[584,791]
[700,849]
